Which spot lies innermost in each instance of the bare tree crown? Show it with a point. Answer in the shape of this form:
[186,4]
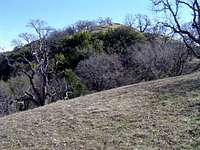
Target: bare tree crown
[139,21]
[189,31]
[38,73]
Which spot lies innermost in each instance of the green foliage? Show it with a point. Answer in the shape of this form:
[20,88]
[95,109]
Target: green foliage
[76,87]
[79,40]
[60,61]
[60,57]
[75,48]
[116,39]
[98,46]
[195,120]
[33,65]
[83,39]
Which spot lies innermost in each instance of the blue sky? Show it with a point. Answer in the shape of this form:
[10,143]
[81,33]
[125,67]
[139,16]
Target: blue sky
[14,14]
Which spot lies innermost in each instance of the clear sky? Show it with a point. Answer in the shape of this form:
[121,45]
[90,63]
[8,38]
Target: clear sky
[14,14]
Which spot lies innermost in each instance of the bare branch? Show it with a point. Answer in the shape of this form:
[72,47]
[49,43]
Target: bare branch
[174,9]
[139,21]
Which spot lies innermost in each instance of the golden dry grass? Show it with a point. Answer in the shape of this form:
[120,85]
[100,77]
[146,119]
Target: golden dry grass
[104,28]
[162,114]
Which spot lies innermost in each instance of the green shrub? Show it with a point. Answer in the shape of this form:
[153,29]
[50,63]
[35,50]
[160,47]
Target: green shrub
[118,39]
[75,86]
[78,40]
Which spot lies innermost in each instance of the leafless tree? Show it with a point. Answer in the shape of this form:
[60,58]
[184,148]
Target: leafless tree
[173,10]
[39,92]
[84,25]
[17,43]
[101,72]
[153,61]
[158,29]
[70,30]
[129,20]
[106,21]
[139,21]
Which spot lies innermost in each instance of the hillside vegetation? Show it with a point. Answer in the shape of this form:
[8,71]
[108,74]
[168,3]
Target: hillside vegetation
[161,114]
[83,58]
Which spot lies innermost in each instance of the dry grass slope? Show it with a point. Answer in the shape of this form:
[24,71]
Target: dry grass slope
[162,114]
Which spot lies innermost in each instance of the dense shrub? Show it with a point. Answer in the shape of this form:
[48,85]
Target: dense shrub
[74,84]
[148,62]
[101,72]
[74,48]
[80,40]
[115,40]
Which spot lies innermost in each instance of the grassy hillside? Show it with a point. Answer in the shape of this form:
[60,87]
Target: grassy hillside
[104,28]
[162,114]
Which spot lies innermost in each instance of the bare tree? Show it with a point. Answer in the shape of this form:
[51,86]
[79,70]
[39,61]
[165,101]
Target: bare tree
[106,21]
[158,29]
[38,93]
[84,25]
[139,21]
[173,10]
[129,20]
[17,43]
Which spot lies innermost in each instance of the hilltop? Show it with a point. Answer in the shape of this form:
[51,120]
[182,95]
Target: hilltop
[161,114]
